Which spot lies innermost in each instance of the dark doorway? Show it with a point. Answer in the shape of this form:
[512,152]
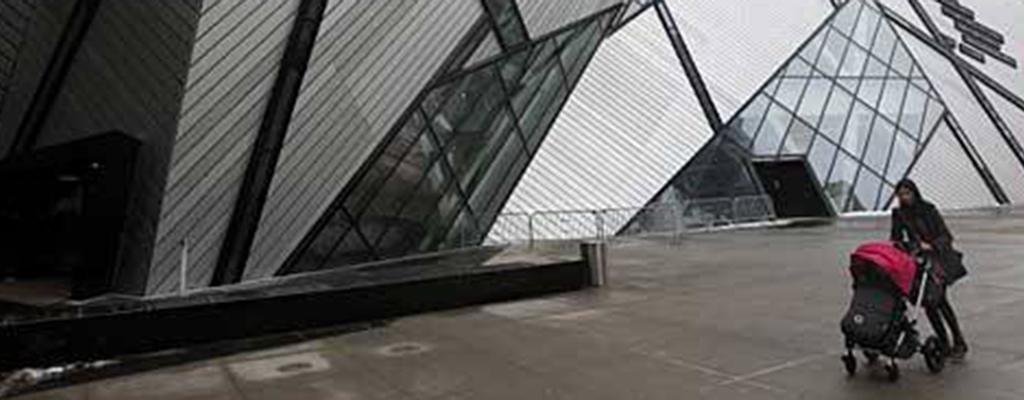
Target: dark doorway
[792,188]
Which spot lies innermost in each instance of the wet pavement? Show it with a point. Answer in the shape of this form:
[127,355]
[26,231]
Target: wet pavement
[726,315]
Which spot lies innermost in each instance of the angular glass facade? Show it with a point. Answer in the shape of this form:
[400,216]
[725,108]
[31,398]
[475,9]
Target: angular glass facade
[851,101]
[442,178]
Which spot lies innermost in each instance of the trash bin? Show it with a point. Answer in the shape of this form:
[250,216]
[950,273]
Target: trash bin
[595,255]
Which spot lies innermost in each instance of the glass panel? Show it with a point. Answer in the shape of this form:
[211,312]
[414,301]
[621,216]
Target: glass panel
[875,69]
[463,232]
[506,21]
[814,100]
[798,68]
[913,110]
[536,117]
[902,156]
[773,85]
[870,90]
[841,182]
[833,120]
[864,33]
[884,43]
[790,91]
[402,182]
[798,139]
[892,98]
[915,72]
[901,61]
[853,65]
[832,54]
[775,125]
[324,243]
[746,123]
[810,51]
[475,103]
[389,159]
[579,49]
[879,144]
[470,152]
[820,157]
[858,129]
[866,193]
[496,173]
[847,17]
[849,83]
[541,61]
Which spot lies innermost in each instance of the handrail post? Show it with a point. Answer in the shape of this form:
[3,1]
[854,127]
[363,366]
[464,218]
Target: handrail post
[183,268]
[529,229]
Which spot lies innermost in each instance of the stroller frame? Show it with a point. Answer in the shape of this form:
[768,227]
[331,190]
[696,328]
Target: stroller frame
[933,351]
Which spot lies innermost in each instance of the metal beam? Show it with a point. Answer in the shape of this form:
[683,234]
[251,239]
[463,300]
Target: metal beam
[259,173]
[937,45]
[972,85]
[689,66]
[50,84]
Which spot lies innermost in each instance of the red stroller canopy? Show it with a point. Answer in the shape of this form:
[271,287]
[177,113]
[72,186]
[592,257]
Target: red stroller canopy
[890,260]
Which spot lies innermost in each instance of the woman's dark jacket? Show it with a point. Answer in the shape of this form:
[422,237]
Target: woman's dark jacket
[923,223]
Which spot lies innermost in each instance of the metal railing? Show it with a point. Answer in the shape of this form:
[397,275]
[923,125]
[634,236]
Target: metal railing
[575,225]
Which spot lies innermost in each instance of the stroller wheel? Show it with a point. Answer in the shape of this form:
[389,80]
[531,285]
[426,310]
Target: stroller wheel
[850,362]
[934,355]
[892,371]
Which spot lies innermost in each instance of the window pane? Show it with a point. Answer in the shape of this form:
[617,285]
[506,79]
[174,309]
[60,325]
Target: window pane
[821,156]
[746,123]
[482,193]
[403,180]
[870,90]
[901,61]
[798,68]
[810,51]
[884,43]
[775,125]
[892,98]
[874,69]
[832,54]
[879,144]
[471,152]
[841,182]
[866,193]
[503,11]
[581,45]
[902,156]
[885,197]
[538,115]
[790,91]
[913,110]
[864,33]
[858,129]
[319,251]
[383,166]
[853,65]
[474,104]
[833,120]
[798,138]
[814,100]
[847,17]
[932,115]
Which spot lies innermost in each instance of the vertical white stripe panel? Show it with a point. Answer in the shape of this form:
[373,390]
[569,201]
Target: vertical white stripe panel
[947,177]
[543,16]
[630,124]
[737,45]
[233,65]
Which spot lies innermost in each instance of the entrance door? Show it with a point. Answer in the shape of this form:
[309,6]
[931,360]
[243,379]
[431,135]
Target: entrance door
[792,188]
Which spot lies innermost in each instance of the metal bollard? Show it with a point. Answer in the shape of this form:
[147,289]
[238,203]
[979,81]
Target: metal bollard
[595,255]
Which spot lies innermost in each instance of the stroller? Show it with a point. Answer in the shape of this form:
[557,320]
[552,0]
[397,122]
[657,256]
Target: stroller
[886,276]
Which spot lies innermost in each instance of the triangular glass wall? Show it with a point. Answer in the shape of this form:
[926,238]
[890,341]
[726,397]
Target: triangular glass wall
[851,101]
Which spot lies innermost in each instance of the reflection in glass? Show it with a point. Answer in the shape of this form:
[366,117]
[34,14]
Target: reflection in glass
[913,110]
[866,192]
[840,183]
[858,128]
[814,100]
[770,136]
[747,121]
[832,54]
[798,139]
[902,155]
[884,43]
[879,144]
[820,157]
[834,119]
[864,33]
